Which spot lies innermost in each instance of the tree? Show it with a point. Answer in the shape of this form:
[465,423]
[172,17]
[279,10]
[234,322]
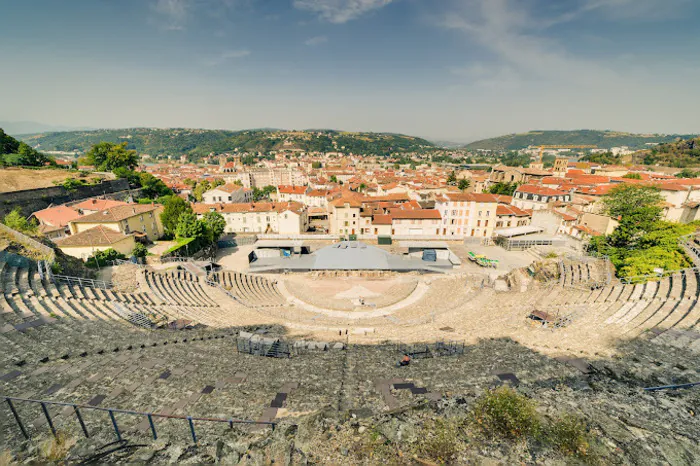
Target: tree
[30,156]
[452,178]
[316,165]
[687,173]
[632,176]
[216,225]
[362,187]
[188,226]
[19,222]
[334,179]
[637,207]
[174,207]
[506,189]
[463,184]
[107,156]
[139,251]
[153,187]
[264,193]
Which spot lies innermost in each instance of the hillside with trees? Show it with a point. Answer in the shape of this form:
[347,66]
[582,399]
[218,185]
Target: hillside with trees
[601,139]
[19,153]
[198,143]
[679,154]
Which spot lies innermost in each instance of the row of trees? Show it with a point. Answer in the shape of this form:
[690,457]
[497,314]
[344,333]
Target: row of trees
[116,158]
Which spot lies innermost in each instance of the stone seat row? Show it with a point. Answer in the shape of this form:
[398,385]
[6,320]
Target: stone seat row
[178,287]
[39,319]
[632,309]
[575,272]
[251,290]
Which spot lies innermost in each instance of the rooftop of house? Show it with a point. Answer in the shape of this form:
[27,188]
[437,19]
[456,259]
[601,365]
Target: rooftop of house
[97,236]
[117,214]
[228,188]
[98,204]
[58,216]
[284,189]
[540,190]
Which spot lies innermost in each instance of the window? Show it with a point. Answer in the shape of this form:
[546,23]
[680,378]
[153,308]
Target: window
[472,232]
[478,223]
[486,223]
[488,212]
[479,213]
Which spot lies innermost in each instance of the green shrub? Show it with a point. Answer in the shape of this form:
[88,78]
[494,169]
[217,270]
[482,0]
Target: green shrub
[139,250]
[439,441]
[569,435]
[103,258]
[504,413]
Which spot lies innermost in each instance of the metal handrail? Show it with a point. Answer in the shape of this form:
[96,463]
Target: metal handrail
[672,387]
[77,407]
[83,281]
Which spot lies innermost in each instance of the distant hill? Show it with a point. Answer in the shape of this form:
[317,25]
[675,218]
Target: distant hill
[28,127]
[602,139]
[201,142]
[679,154]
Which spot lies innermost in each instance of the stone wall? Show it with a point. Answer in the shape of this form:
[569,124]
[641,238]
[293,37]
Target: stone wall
[31,200]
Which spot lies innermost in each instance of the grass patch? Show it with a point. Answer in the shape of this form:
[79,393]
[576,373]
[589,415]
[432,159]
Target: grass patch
[551,255]
[56,448]
[569,436]
[179,243]
[441,441]
[7,459]
[504,413]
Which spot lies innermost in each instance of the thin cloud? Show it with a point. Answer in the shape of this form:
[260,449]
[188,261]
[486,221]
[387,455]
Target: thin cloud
[340,11]
[227,56]
[314,41]
[173,13]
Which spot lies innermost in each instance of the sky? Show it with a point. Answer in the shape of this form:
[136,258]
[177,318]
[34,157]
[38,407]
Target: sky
[456,70]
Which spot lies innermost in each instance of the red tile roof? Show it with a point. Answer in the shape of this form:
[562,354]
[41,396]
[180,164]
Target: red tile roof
[98,204]
[283,189]
[56,216]
[507,210]
[381,220]
[96,236]
[540,190]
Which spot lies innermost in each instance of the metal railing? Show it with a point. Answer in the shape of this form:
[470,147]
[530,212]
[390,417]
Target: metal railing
[116,262]
[92,283]
[150,416]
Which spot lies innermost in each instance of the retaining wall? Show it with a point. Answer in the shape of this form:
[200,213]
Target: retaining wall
[31,200]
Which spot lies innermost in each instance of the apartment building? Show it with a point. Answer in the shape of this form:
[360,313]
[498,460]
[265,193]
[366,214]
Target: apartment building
[418,222]
[467,215]
[142,220]
[531,197]
[344,216]
[260,217]
[287,193]
[228,193]
[261,177]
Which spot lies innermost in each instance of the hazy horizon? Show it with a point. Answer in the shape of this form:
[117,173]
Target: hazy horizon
[454,70]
